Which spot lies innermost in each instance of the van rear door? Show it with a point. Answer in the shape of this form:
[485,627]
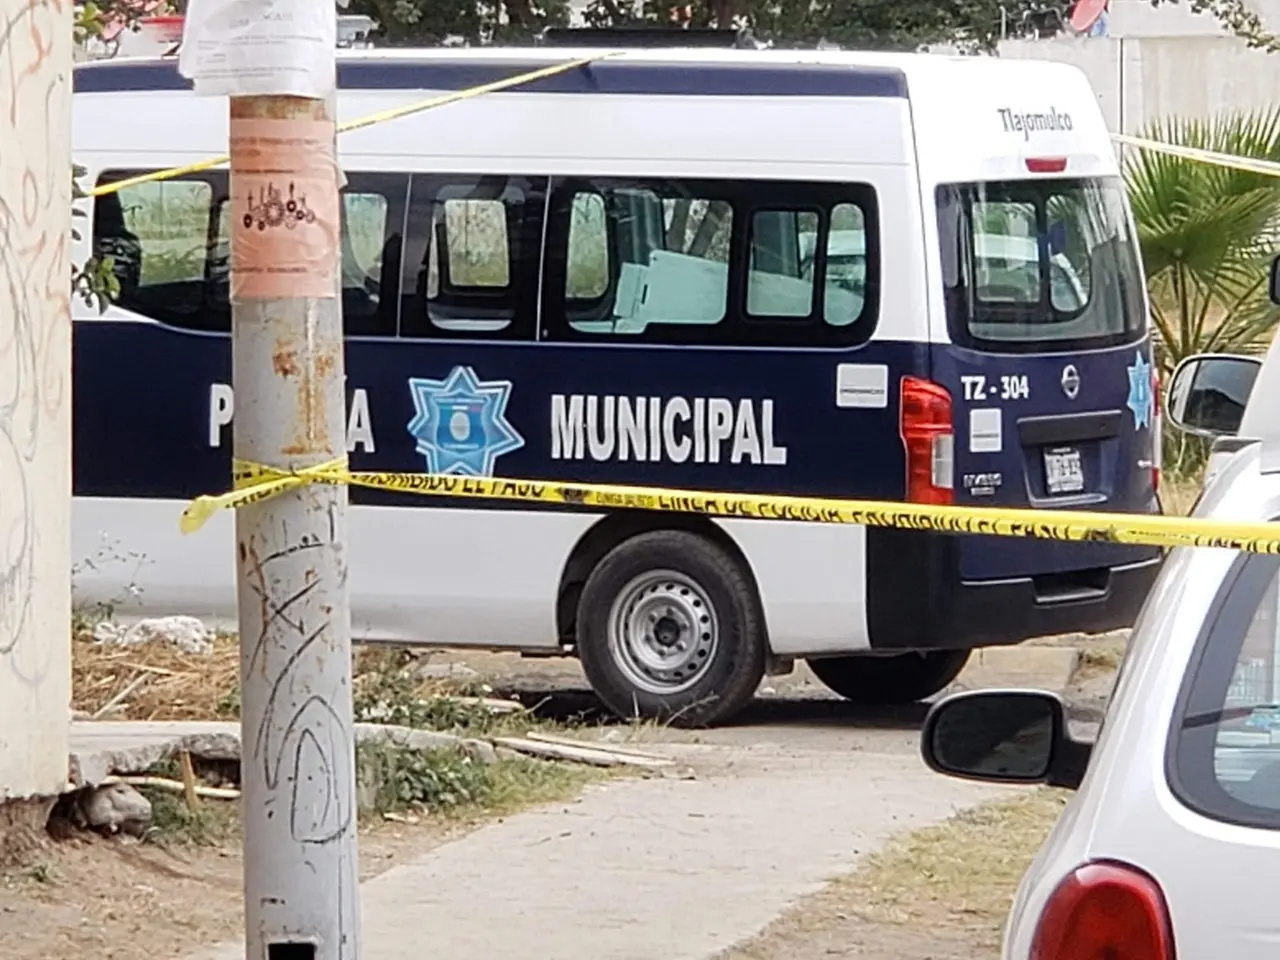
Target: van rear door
[1050,370]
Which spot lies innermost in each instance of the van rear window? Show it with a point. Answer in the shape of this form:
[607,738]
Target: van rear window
[1040,264]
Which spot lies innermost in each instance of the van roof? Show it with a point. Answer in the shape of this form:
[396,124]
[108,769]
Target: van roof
[688,71]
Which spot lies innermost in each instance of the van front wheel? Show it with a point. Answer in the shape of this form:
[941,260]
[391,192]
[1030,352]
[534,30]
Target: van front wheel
[883,681]
[669,628]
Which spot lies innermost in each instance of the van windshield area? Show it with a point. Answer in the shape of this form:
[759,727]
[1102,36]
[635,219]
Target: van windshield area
[1030,265]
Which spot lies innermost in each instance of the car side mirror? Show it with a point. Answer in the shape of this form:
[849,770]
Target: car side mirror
[1004,736]
[1208,393]
[1273,283]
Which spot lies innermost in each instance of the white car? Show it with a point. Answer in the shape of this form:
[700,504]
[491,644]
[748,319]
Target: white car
[1171,844]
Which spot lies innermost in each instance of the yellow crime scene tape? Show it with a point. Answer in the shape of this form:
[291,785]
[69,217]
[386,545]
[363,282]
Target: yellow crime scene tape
[256,482]
[1268,168]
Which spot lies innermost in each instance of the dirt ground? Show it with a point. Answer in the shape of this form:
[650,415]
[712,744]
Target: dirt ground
[939,894]
[119,899]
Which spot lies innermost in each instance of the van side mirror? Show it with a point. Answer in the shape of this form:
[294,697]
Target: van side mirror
[1004,736]
[1273,284]
[1208,393]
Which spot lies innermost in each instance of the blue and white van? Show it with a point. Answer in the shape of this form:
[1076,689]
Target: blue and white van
[840,274]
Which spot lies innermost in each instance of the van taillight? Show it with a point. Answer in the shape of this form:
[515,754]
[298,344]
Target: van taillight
[1105,911]
[927,435]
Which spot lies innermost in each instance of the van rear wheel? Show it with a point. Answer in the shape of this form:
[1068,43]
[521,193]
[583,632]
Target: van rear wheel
[669,628]
[883,681]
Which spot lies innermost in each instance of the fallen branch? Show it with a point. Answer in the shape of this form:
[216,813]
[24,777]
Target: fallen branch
[160,671]
[120,697]
[577,753]
[177,786]
[608,748]
[489,703]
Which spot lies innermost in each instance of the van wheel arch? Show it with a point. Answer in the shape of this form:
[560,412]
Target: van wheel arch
[615,528]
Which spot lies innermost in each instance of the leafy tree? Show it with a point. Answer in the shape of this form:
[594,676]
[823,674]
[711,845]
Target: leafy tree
[430,22]
[1207,234]
[1238,17]
[874,24]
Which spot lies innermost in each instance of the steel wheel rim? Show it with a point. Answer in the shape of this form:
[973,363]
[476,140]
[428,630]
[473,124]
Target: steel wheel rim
[663,631]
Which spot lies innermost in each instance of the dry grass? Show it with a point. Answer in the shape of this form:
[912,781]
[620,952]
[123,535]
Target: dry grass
[1102,655]
[969,866]
[172,685]
[1178,493]
[168,684]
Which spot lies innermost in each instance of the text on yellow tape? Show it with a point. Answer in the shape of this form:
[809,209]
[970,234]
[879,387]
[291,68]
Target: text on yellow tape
[255,483]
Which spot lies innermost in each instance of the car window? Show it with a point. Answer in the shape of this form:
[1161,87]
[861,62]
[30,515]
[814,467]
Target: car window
[1226,736]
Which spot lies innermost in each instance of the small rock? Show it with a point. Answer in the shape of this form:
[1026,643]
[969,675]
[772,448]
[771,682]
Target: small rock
[395,817]
[108,633]
[444,671]
[116,808]
[480,751]
[188,634]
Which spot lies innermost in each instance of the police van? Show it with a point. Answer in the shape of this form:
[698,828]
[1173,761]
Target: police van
[837,274]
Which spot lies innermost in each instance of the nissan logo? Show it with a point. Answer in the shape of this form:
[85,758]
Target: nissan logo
[1070,381]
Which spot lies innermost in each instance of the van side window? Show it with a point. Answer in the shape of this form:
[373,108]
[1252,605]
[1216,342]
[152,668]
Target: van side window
[845,291]
[471,260]
[780,278]
[710,262]
[158,238]
[655,254]
[171,244]
[587,267]
[474,245]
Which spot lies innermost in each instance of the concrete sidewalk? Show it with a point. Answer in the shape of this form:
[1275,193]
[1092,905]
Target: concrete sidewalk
[655,869]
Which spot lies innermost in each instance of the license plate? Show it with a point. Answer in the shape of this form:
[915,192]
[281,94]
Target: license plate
[1062,470]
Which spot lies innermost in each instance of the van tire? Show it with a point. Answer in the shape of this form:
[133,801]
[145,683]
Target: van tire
[884,681]
[669,628]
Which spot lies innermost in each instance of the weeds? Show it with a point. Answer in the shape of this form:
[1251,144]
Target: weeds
[41,873]
[209,825]
[389,779]
[387,691]
[394,778]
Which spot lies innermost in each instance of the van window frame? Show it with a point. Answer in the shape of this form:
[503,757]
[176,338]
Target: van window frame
[960,319]
[738,328]
[392,186]
[519,297]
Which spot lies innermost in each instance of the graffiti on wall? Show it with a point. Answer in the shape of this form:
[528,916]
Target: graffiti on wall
[35,40]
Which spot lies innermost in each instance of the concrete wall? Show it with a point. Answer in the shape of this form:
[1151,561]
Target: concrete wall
[35,395]
[1149,78]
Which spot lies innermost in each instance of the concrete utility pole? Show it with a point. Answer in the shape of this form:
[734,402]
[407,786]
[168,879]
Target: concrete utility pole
[298,767]
[276,61]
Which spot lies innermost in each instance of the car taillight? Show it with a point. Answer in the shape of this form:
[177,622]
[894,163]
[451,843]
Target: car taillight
[1105,911]
[927,435]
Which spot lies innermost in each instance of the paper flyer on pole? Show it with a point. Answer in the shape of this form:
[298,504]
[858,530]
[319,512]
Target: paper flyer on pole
[246,48]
